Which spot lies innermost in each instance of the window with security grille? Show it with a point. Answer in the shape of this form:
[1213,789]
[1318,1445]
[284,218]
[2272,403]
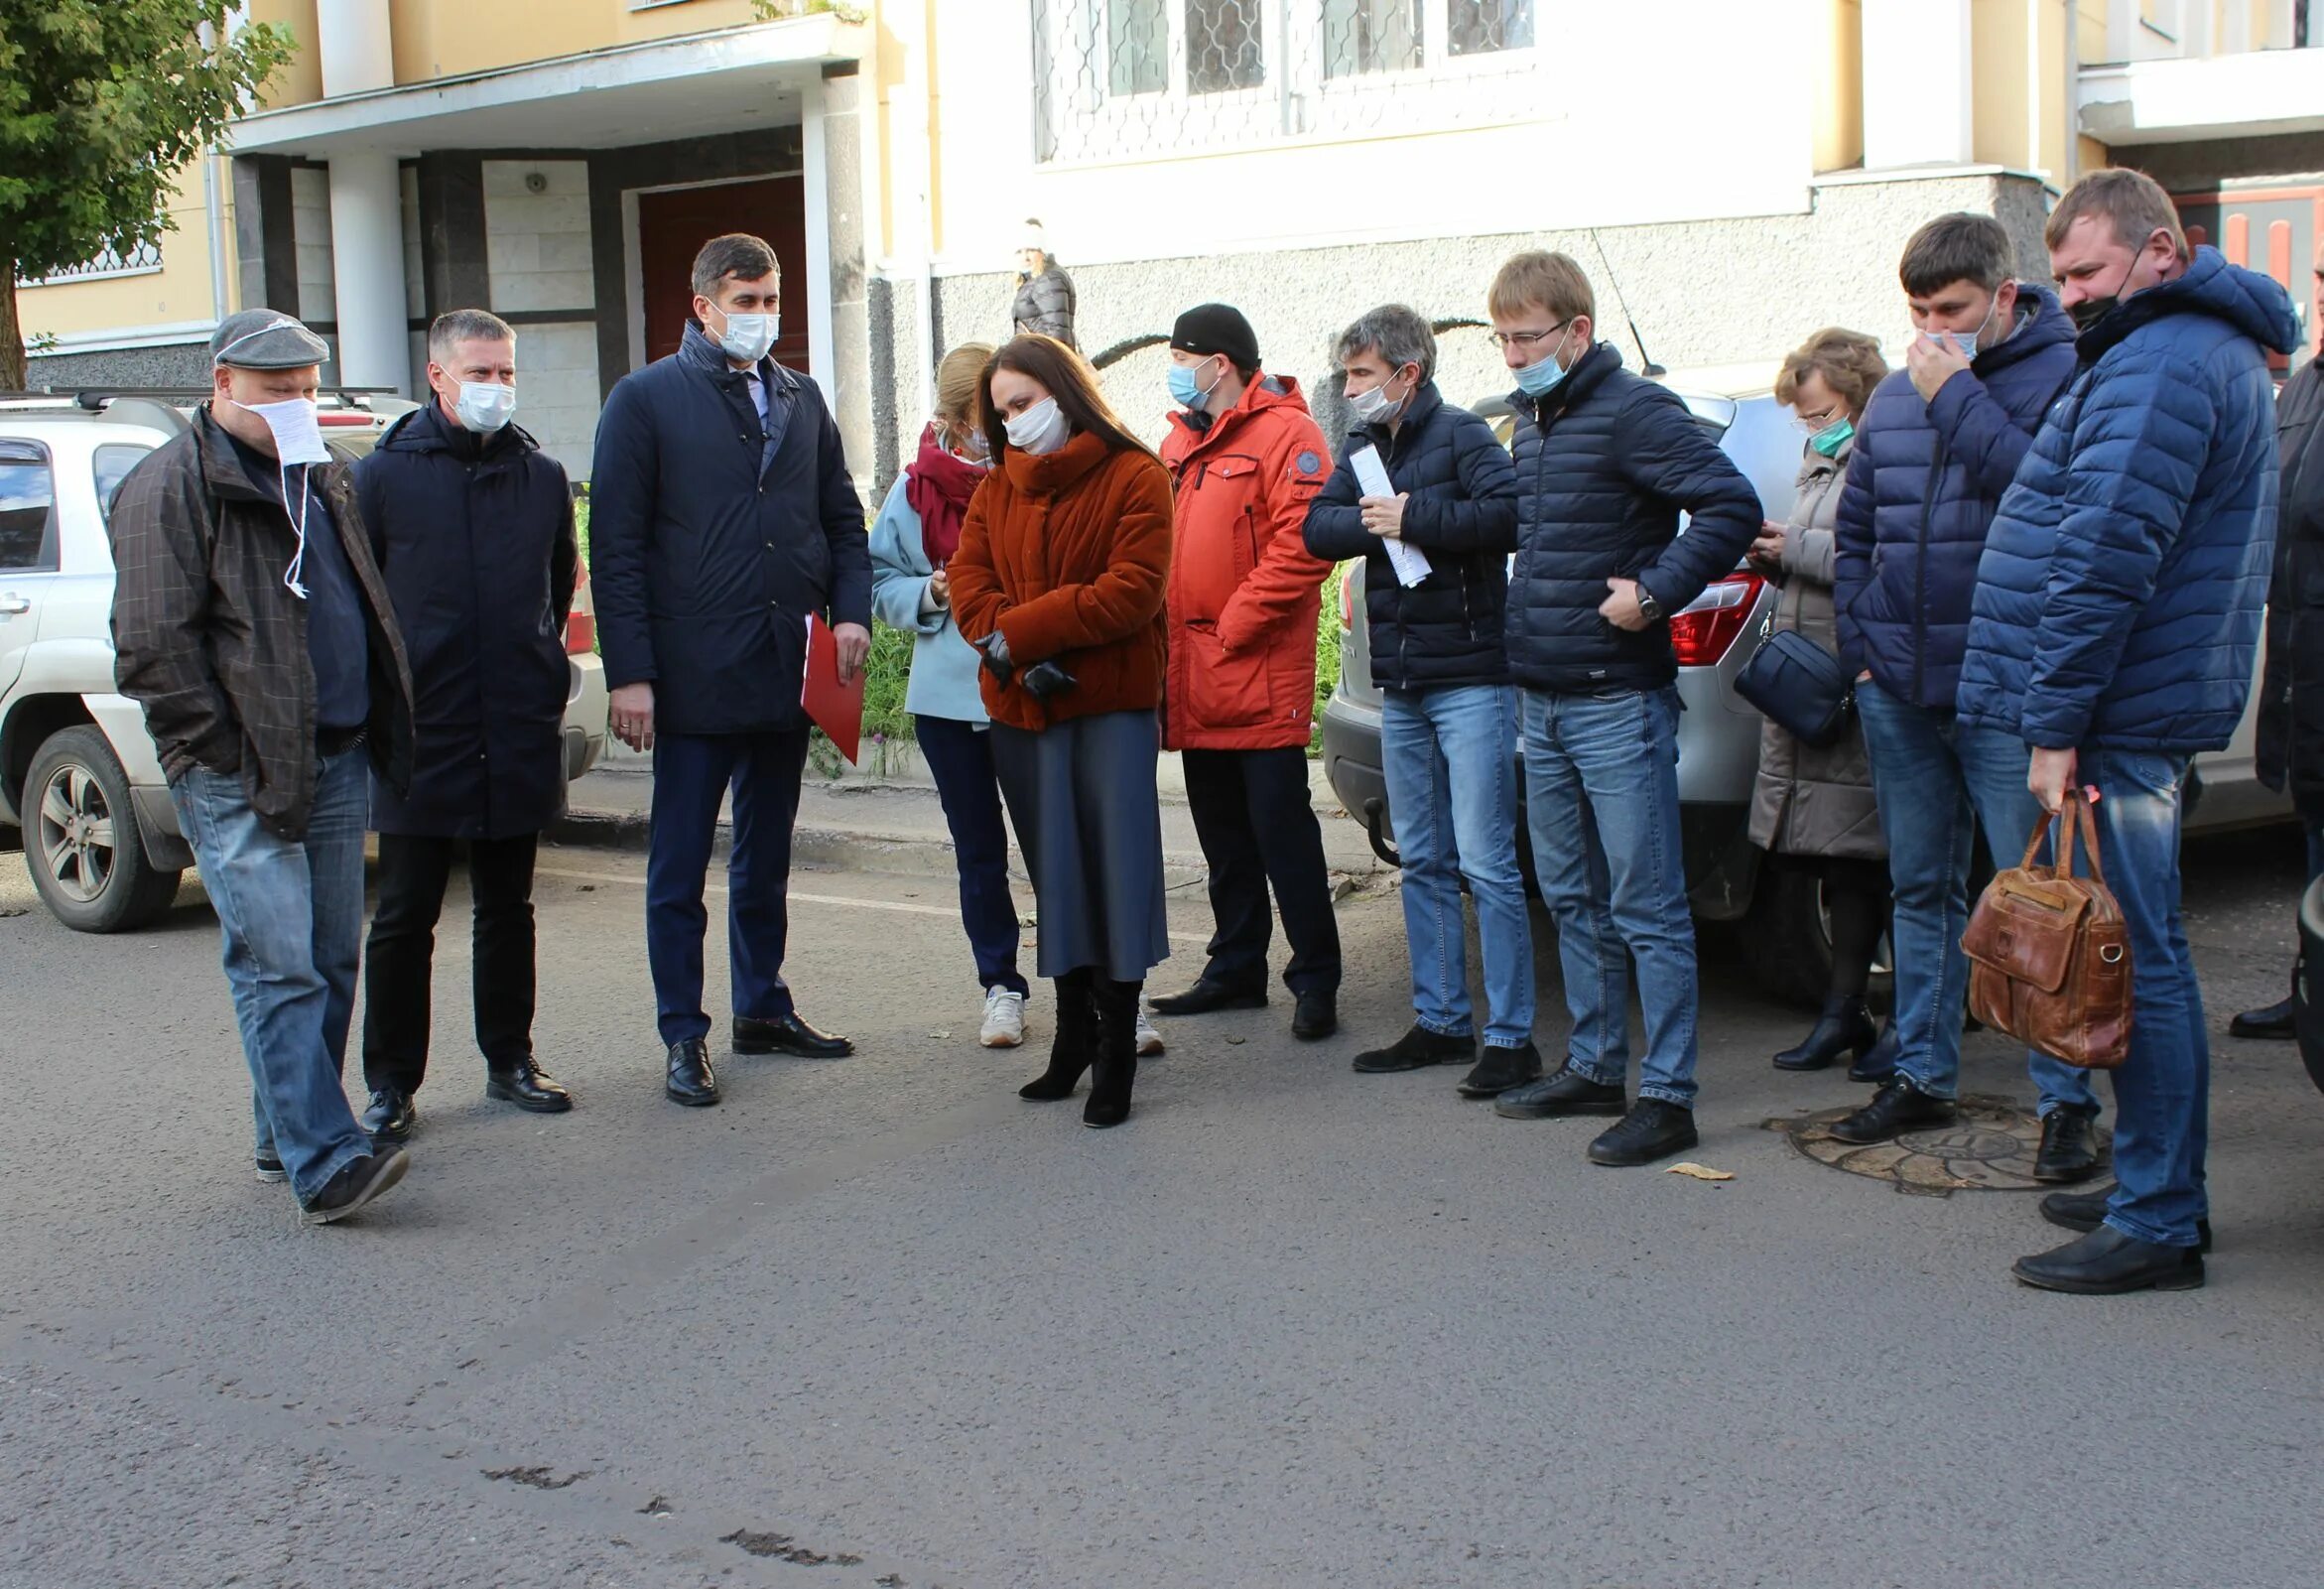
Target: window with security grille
[1371,36]
[1222,46]
[1138,46]
[1475,27]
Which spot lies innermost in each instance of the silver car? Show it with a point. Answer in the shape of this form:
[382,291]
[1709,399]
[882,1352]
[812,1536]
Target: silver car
[77,770]
[1785,940]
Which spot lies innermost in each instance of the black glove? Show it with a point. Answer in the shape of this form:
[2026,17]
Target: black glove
[996,657]
[1046,678]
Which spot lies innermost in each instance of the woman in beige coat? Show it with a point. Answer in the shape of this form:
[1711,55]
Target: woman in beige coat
[1813,807]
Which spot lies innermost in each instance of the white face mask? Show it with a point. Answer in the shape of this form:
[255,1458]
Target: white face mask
[1039,428]
[298,440]
[485,407]
[748,336]
[1374,407]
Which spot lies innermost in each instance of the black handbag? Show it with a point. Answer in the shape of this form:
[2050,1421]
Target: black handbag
[1802,687]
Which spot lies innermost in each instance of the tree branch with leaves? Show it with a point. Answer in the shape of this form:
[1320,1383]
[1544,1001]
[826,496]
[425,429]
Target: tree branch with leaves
[102,105]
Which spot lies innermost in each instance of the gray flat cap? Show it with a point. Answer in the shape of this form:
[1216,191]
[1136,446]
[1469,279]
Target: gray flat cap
[265,339]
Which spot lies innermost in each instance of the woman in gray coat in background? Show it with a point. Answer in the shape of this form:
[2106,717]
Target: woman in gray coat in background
[1813,805]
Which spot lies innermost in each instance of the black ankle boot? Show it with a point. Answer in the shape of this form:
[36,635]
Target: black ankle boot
[1845,1027]
[1116,1069]
[1075,1043]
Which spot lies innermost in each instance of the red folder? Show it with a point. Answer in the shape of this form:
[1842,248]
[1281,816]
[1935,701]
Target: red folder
[834,708]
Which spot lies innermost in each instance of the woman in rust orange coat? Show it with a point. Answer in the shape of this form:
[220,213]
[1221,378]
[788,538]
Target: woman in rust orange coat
[1058,583]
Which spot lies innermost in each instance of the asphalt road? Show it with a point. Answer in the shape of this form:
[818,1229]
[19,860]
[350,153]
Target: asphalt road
[877,1322]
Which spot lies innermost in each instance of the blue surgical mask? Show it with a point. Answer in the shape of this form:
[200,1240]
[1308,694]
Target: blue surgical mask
[1540,377]
[1832,437]
[1183,389]
[485,406]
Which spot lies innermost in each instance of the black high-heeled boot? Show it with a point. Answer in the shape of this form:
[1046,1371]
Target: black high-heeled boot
[1845,1027]
[1075,1043]
[1116,1070]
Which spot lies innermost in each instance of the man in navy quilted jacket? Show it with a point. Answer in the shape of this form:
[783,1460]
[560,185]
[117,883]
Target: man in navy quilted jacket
[2116,618]
[1940,443]
[1606,461]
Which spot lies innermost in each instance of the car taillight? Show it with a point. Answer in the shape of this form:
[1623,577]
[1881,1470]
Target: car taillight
[1702,633]
[1347,599]
[580,625]
[342,417]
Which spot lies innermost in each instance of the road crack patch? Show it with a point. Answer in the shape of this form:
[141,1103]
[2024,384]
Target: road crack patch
[782,1547]
[538,1478]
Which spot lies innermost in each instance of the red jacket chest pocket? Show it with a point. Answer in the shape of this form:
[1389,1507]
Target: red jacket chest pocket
[1217,531]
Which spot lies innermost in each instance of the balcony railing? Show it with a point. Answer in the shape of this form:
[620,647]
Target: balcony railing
[141,260]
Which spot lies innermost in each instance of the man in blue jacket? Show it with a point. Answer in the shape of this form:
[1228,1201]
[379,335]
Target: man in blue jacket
[708,556]
[1448,716]
[1606,461]
[2117,615]
[473,527]
[1940,442]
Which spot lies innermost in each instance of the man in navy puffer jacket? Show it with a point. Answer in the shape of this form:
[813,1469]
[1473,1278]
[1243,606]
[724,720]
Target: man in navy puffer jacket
[2117,620]
[1940,443]
[1606,462]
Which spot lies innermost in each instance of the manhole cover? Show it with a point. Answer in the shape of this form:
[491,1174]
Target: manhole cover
[1989,1147]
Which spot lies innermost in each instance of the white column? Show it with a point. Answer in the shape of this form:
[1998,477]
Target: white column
[356,45]
[367,270]
[1916,83]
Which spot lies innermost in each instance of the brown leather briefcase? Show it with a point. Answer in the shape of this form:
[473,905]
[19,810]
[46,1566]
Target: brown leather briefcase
[2049,955]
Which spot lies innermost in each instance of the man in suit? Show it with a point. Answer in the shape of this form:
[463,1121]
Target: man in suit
[721,518]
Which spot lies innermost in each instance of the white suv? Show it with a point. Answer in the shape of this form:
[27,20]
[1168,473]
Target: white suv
[78,771]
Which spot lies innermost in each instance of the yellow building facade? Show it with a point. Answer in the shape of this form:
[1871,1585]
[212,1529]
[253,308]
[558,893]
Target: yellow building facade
[1740,174]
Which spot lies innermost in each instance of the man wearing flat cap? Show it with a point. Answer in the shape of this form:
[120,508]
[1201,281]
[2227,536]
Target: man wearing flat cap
[1243,596]
[251,624]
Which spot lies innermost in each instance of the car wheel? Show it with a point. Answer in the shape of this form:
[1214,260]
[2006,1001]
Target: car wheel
[81,838]
[1786,938]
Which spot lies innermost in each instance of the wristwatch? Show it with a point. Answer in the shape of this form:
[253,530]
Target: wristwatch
[1648,609]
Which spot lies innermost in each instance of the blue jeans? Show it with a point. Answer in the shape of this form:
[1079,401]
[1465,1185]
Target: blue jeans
[1449,757]
[1602,799]
[959,758]
[1938,781]
[2162,1090]
[292,917]
[692,774]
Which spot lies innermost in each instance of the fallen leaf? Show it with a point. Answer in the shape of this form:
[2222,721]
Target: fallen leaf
[1701,1172]
[940,1036]
[1236,1042]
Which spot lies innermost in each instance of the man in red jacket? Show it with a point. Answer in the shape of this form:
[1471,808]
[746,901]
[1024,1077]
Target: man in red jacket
[1243,596]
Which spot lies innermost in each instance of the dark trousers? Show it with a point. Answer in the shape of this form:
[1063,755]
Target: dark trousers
[399,960]
[693,775]
[959,758]
[1256,827]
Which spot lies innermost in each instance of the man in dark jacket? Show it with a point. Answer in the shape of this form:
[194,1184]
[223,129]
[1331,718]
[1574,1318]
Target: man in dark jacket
[250,623]
[473,526]
[2291,699]
[707,558]
[1606,462]
[1436,544]
[1940,442]
[2116,618]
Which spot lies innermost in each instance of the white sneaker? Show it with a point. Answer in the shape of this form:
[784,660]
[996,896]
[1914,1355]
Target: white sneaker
[1005,1019]
[1149,1040]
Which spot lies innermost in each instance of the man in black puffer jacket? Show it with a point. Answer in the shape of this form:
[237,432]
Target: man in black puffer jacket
[1606,461]
[1448,716]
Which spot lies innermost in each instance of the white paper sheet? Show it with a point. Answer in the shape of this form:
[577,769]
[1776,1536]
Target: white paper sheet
[1372,478]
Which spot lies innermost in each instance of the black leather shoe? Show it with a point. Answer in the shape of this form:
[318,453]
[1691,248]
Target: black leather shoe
[1499,1070]
[2106,1262]
[692,1081]
[356,1185]
[1314,1017]
[2271,1021]
[390,1118]
[1878,1063]
[1416,1050]
[1898,1106]
[1568,1091]
[1845,1027]
[1208,994]
[788,1035]
[2085,1211]
[1653,1129]
[528,1086]
[2069,1147]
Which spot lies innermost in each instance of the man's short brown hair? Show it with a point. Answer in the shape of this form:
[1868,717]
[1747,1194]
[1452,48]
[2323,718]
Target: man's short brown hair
[2132,200]
[1964,246]
[1539,279]
[1850,362]
[738,255]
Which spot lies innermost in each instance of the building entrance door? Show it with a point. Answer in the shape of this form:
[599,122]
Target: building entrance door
[673,224]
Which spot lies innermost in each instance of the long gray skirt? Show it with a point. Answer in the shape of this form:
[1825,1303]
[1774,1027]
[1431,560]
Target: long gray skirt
[1082,796]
